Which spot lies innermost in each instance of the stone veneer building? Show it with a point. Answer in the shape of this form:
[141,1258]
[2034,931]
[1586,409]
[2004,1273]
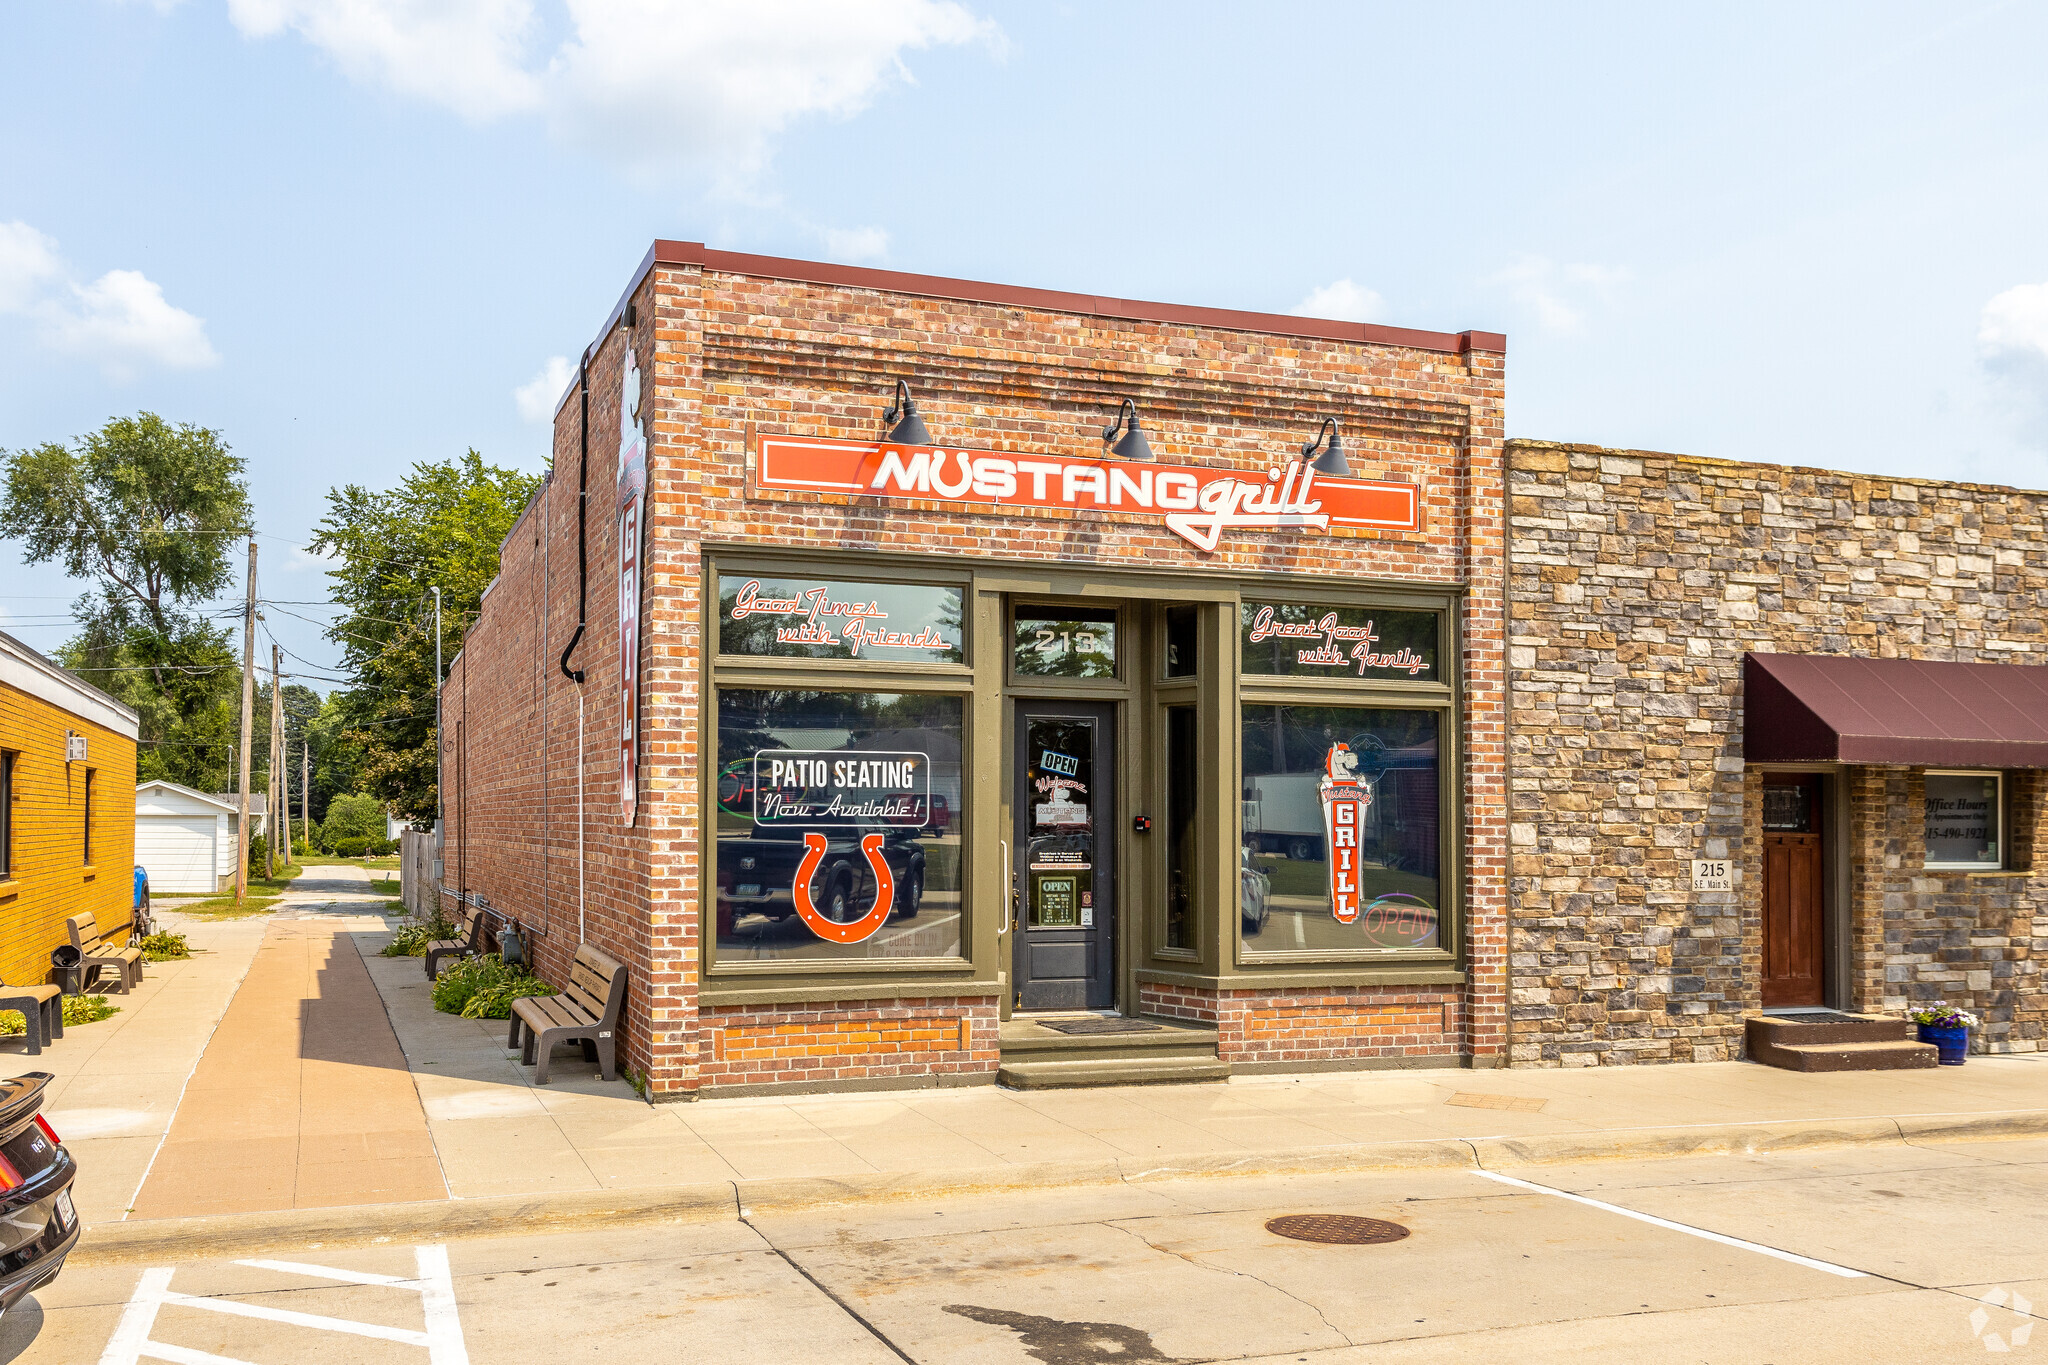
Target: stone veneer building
[1661,713]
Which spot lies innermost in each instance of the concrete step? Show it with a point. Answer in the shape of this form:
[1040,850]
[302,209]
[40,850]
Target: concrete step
[1888,1056]
[1799,1030]
[1026,1039]
[1043,1075]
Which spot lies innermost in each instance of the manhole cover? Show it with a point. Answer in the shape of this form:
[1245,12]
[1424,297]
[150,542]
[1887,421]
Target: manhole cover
[1336,1229]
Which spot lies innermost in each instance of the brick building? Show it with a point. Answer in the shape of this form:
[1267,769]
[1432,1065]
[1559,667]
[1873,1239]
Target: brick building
[1778,737]
[881,709]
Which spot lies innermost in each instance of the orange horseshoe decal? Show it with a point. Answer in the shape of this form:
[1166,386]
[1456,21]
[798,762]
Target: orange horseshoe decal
[866,925]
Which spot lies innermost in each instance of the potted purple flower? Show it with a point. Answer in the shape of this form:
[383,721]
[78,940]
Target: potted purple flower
[1947,1028]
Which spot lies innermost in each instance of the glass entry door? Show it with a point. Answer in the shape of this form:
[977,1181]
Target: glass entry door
[1065,867]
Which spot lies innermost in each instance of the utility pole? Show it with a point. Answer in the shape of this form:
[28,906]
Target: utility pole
[305,793]
[280,805]
[248,728]
[437,713]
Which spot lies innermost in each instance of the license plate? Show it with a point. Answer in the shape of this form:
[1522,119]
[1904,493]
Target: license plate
[66,1215]
[747,889]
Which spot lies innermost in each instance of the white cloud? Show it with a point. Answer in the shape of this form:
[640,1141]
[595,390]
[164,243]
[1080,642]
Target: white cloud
[302,559]
[2014,326]
[647,84]
[2012,341]
[465,54]
[855,244]
[28,265]
[1560,296]
[537,397]
[120,320]
[1343,300]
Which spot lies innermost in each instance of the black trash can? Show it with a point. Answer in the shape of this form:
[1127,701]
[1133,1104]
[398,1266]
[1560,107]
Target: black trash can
[65,962]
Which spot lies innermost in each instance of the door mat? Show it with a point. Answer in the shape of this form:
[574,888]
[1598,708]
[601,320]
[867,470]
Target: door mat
[1820,1017]
[1103,1026]
[1520,1104]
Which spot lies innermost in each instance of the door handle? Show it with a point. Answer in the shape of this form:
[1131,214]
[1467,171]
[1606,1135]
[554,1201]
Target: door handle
[1009,894]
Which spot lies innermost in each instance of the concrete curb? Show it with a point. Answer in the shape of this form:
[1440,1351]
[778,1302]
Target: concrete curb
[242,1234]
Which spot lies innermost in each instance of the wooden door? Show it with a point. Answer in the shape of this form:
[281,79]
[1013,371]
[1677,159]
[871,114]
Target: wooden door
[1795,892]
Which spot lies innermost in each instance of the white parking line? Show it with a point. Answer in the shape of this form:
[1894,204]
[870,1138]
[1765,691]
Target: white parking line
[441,1337]
[1654,1221]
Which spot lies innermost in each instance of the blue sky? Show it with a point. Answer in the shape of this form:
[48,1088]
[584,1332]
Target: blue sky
[348,234]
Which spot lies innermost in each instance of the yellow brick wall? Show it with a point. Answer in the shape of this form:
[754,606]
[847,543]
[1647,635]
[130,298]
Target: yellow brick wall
[49,880]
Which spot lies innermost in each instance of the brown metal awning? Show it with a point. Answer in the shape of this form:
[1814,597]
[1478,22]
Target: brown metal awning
[1802,708]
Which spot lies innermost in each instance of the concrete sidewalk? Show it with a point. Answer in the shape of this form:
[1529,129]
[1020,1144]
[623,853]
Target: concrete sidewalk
[332,1082]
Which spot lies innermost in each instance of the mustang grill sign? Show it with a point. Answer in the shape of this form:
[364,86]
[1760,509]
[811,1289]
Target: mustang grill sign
[1198,503]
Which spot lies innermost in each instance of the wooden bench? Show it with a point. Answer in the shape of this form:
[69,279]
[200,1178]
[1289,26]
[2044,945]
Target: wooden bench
[587,1011]
[468,940]
[95,951]
[42,1011]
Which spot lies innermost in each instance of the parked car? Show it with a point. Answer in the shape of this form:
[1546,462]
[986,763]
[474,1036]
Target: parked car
[757,874]
[144,921]
[38,1222]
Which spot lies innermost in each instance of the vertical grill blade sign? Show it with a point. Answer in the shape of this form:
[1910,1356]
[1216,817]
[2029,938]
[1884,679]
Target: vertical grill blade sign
[632,505]
[1346,798]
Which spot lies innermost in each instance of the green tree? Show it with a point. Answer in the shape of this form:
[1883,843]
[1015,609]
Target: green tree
[441,527]
[353,817]
[148,513]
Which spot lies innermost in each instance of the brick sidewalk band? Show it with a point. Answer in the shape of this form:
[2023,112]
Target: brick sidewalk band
[1197,503]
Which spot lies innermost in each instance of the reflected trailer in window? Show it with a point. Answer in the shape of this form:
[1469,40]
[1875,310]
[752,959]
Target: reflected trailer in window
[1340,816]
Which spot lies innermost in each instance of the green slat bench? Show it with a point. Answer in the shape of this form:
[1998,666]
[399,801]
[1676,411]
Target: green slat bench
[587,1011]
[95,951]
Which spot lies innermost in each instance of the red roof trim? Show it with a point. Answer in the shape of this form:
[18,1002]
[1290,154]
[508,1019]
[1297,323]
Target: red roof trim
[1056,301]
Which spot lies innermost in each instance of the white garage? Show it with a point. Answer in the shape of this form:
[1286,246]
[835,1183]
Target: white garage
[184,839]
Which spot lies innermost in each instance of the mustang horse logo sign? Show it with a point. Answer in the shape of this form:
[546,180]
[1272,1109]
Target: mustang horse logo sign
[1346,798]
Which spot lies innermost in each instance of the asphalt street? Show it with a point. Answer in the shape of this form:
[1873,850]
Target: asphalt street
[1866,1254]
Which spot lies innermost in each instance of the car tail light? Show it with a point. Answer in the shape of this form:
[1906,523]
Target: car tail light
[48,1131]
[10,1174]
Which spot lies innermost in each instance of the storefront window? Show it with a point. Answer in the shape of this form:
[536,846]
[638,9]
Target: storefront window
[1181,805]
[810,618]
[1182,636]
[1076,644]
[1341,834]
[840,817]
[1963,819]
[1293,638]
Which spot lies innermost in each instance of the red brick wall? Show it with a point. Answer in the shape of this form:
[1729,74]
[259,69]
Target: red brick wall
[1322,1024]
[849,1041]
[726,356]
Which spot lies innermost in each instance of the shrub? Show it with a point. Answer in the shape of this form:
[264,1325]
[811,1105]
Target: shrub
[359,817]
[350,846]
[484,988]
[412,939]
[163,945]
[383,848]
[87,1009]
[258,846]
[78,1009]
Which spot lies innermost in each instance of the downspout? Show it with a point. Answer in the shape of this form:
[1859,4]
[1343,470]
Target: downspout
[582,604]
